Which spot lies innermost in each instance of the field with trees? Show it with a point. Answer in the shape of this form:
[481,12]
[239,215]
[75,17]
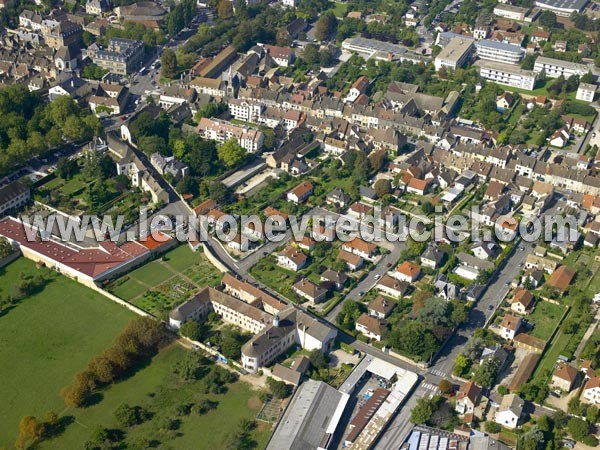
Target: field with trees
[48,332]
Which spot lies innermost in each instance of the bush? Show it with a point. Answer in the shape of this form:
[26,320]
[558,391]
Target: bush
[279,389]
[502,390]
[492,427]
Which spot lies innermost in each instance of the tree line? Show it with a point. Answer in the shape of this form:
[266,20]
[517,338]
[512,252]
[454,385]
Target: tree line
[138,342]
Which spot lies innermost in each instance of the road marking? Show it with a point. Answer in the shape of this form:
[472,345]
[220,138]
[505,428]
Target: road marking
[430,386]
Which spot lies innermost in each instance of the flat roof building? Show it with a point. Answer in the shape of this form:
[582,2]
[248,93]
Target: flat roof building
[554,68]
[507,74]
[455,54]
[499,51]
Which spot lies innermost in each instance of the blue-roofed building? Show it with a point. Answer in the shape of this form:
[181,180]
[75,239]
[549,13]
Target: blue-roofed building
[499,51]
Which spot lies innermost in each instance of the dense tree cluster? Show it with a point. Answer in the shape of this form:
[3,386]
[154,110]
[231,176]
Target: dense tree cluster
[31,128]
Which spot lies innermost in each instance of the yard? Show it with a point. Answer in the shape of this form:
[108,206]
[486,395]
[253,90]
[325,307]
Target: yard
[545,318]
[157,389]
[162,284]
[44,340]
[275,277]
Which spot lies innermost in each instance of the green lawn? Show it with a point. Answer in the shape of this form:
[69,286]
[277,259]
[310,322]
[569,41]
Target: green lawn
[45,340]
[165,282]
[67,187]
[158,390]
[545,317]
[275,277]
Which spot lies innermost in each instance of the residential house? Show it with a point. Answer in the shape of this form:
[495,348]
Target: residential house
[509,413]
[467,398]
[522,301]
[432,257]
[510,326]
[335,278]
[337,197]
[564,377]
[353,261]
[310,291]
[292,259]
[407,271]
[380,307]
[357,246]
[561,279]
[485,250]
[392,287]
[591,391]
[301,192]
[371,327]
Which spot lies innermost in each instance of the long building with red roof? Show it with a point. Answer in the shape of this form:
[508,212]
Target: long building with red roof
[86,264]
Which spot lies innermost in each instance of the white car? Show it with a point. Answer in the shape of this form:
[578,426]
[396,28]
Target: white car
[377,277]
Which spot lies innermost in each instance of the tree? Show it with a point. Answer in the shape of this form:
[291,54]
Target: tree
[231,153]
[188,367]
[317,359]
[351,311]
[422,411]
[382,187]
[130,415]
[191,330]
[152,144]
[460,365]
[445,386]
[310,54]
[578,428]
[31,430]
[325,26]
[279,389]
[5,247]
[427,208]
[528,62]
[168,61]
[414,338]
[66,168]
[377,160]
[225,9]
[547,19]
[485,375]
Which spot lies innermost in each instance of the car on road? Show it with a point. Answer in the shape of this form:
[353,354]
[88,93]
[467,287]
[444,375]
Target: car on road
[490,307]
[507,283]
[377,277]
[361,293]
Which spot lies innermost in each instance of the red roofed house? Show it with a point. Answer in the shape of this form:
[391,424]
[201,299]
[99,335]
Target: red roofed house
[359,87]
[408,272]
[509,326]
[467,398]
[292,259]
[361,248]
[417,186]
[564,377]
[591,391]
[301,192]
[561,278]
[522,301]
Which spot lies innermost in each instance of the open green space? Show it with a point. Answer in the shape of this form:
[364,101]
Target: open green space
[545,318]
[45,339]
[158,390]
[167,281]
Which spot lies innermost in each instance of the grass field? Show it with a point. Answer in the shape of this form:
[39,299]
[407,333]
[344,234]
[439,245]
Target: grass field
[158,390]
[165,282]
[545,317]
[45,340]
